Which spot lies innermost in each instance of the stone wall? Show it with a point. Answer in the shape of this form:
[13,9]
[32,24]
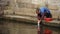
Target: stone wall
[29,8]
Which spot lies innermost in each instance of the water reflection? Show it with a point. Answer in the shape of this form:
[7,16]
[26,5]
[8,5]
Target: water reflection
[3,29]
[13,27]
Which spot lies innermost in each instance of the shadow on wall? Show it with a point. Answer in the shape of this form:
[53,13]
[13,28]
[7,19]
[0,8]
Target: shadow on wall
[4,5]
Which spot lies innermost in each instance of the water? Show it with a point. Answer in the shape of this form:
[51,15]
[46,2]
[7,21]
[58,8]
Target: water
[14,27]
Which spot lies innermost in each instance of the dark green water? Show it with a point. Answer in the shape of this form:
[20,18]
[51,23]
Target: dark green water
[15,27]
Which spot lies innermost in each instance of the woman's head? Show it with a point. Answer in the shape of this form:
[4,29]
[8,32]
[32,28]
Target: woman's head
[37,10]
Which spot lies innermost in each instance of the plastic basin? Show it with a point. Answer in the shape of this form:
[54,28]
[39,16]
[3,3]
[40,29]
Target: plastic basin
[48,19]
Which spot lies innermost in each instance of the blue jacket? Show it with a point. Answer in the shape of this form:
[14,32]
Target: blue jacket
[43,10]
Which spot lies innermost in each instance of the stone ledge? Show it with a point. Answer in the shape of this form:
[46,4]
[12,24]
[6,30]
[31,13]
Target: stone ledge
[21,17]
[31,21]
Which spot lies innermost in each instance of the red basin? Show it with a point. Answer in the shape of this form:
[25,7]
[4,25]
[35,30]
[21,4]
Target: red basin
[48,19]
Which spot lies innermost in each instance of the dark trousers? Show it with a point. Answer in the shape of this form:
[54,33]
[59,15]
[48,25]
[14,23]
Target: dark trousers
[48,15]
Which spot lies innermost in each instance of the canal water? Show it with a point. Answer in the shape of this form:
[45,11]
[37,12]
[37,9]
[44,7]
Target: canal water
[14,27]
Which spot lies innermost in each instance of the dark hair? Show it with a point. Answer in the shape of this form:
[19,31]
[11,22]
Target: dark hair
[37,9]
